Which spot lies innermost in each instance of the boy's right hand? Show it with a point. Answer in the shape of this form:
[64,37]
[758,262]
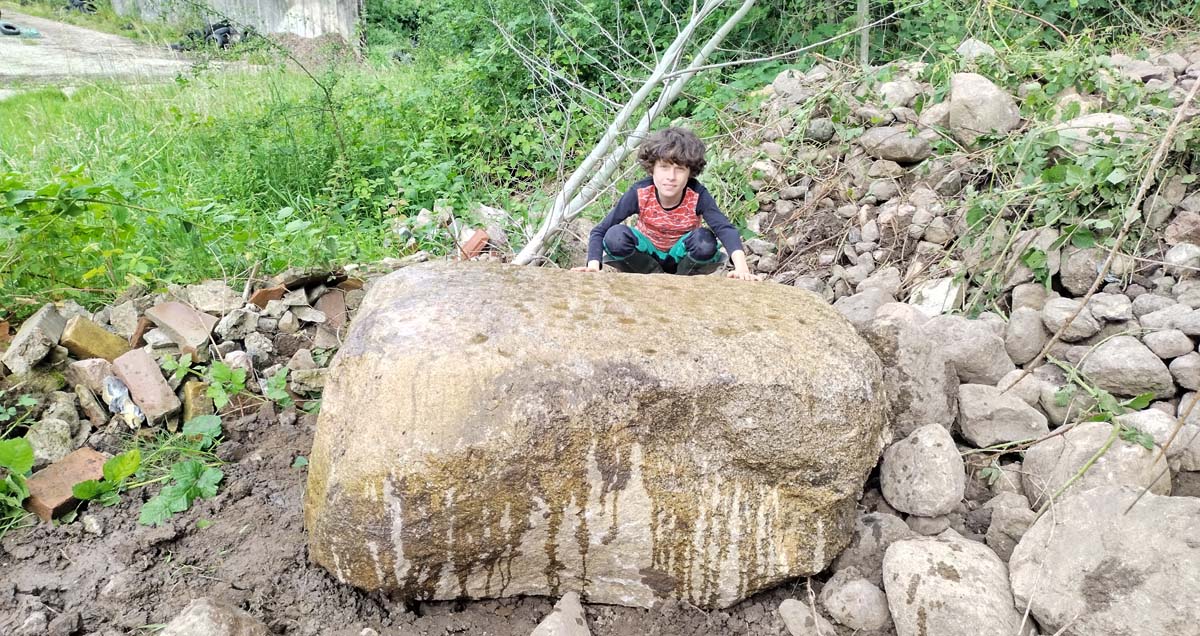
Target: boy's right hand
[592,266]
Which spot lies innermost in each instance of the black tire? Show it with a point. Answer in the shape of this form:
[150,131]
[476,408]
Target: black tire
[8,28]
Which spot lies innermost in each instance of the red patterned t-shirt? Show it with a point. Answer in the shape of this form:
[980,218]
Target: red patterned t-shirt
[662,226]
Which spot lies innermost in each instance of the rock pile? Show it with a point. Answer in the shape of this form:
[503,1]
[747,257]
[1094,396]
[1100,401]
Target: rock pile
[139,362]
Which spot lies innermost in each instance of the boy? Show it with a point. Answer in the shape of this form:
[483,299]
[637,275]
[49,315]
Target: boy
[669,204]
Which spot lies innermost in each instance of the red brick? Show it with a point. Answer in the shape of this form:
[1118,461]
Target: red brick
[50,488]
[143,325]
[333,305]
[474,245]
[187,327]
[262,296]
[5,334]
[150,391]
[350,284]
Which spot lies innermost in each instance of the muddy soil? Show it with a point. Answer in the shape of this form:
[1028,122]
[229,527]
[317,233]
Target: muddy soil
[64,581]
[68,53]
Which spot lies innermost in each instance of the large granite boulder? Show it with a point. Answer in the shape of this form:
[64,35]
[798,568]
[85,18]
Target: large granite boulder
[494,431]
[1095,565]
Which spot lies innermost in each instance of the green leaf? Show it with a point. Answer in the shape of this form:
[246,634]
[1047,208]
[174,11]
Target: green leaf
[1055,174]
[16,455]
[122,466]
[26,400]
[1118,175]
[206,485]
[1140,402]
[206,426]
[109,498]
[186,473]
[300,462]
[88,490]
[155,511]
[203,523]
[1062,397]
[177,497]
[1083,238]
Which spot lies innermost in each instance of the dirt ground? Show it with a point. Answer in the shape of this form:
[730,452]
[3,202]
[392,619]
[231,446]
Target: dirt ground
[64,581]
[70,53]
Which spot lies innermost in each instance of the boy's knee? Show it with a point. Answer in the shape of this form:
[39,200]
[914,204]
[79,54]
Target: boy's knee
[620,241]
[701,244]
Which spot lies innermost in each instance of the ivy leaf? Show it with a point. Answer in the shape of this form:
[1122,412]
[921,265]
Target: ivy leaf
[122,466]
[16,455]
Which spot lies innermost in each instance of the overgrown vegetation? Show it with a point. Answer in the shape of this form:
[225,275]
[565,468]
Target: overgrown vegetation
[225,170]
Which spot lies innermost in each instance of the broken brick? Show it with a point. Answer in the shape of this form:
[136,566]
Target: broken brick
[333,305]
[297,277]
[474,246]
[196,401]
[262,296]
[350,284]
[150,391]
[139,332]
[5,334]
[188,328]
[89,373]
[50,488]
[85,339]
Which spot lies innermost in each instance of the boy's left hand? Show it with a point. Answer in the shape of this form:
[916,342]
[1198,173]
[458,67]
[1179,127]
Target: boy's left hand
[741,275]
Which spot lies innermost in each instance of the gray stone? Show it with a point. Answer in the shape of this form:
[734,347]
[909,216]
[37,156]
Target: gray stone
[302,360]
[1169,343]
[1098,129]
[886,279]
[800,620]
[978,354]
[288,323]
[948,586]
[1183,453]
[923,474]
[239,360]
[1124,366]
[1149,303]
[124,318]
[988,417]
[935,116]
[899,92]
[1188,323]
[1186,371]
[1051,463]
[1042,239]
[970,49]
[894,143]
[1007,526]
[928,526]
[1075,402]
[566,619]
[237,324]
[820,130]
[52,439]
[1183,259]
[308,314]
[920,379]
[1084,568]
[1168,318]
[38,335]
[883,190]
[1029,296]
[308,381]
[1187,292]
[1111,307]
[214,297]
[860,308]
[260,348]
[1057,313]
[855,602]
[421,331]
[1025,335]
[979,107]
[1023,385]
[211,617]
[873,533]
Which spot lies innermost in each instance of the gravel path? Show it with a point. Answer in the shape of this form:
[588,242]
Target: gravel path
[67,53]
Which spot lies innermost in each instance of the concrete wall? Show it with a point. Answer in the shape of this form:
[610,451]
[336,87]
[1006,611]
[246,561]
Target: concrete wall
[306,18]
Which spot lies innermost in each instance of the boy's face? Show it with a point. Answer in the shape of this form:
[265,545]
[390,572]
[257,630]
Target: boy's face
[670,179]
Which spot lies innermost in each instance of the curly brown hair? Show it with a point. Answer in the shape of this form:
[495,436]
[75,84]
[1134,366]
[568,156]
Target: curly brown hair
[675,145]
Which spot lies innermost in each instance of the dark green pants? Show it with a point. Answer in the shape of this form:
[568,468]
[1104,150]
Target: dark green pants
[695,253]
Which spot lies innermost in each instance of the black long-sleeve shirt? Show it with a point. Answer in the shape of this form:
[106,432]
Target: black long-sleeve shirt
[664,226]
